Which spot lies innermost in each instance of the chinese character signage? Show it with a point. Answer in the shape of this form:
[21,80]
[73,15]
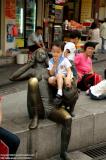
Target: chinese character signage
[10,9]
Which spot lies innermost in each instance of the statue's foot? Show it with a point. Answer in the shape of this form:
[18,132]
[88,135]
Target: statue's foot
[65,156]
[34,123]
[72,114]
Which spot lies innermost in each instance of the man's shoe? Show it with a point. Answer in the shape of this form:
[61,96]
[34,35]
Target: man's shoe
[65,156]
[58,100]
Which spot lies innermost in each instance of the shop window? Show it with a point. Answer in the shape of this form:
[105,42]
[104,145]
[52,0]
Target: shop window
[71,10]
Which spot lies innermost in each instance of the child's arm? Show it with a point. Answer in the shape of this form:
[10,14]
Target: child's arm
[52,71]
[54,67]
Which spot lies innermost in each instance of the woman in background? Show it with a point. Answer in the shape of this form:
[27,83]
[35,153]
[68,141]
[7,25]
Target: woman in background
[94,36]
[83,64]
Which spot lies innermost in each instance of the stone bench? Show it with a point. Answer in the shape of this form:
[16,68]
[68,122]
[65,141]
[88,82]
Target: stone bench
[88,127]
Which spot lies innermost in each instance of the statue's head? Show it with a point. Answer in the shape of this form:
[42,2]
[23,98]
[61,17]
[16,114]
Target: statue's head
[40,55]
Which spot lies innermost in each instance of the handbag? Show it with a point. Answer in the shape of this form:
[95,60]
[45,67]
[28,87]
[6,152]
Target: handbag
[89,80]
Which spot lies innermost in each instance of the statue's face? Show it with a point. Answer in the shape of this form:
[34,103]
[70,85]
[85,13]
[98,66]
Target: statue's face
[40,55]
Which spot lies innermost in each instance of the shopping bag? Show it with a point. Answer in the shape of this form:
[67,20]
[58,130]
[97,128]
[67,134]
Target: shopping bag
[4,151]
[89,80]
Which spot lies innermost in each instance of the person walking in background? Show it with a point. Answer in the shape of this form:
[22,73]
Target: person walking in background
[35,39]
[103,35]
[94,36]
[10,139]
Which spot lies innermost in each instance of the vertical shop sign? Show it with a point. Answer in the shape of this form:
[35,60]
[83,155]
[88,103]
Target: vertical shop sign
[10,9]
[86,9]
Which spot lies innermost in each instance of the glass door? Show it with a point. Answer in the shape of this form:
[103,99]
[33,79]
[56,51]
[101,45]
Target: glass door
[30,17]
[20,22]
[20,17]
[25,20]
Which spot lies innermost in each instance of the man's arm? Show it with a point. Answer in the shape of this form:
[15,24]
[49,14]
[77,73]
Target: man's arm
[34,39]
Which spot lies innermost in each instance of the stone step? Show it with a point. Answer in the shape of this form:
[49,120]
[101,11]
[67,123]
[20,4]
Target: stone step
[88,127]
[76,155]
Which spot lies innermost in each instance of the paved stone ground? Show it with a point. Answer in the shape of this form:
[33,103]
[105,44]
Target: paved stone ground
[15,112]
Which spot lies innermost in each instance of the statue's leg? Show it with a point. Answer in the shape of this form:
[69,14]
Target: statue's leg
[72,105]
[63,117]
[34,101]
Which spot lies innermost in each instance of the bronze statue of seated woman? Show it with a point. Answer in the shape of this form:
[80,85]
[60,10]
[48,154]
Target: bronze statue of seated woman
[40,98]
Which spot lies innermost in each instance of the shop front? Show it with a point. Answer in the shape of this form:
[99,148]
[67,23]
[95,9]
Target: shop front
[59,12]
[18,18]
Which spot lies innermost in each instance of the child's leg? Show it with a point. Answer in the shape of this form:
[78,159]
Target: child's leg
[58,99]
[60,81]
[52,81]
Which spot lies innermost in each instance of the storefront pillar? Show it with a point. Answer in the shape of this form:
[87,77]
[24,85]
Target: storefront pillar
[95,9]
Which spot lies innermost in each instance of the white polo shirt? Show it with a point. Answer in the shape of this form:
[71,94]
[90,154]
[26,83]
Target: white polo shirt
[34,38]
[62,65]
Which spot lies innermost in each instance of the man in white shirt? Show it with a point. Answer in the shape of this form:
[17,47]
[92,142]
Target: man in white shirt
[35,39]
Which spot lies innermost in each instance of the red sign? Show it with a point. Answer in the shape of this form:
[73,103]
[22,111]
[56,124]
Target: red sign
[10,9]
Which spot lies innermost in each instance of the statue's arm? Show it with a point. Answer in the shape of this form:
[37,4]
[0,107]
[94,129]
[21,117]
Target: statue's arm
[20,71]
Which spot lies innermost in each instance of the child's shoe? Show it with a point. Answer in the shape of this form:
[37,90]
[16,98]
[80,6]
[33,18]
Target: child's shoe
[58,100]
